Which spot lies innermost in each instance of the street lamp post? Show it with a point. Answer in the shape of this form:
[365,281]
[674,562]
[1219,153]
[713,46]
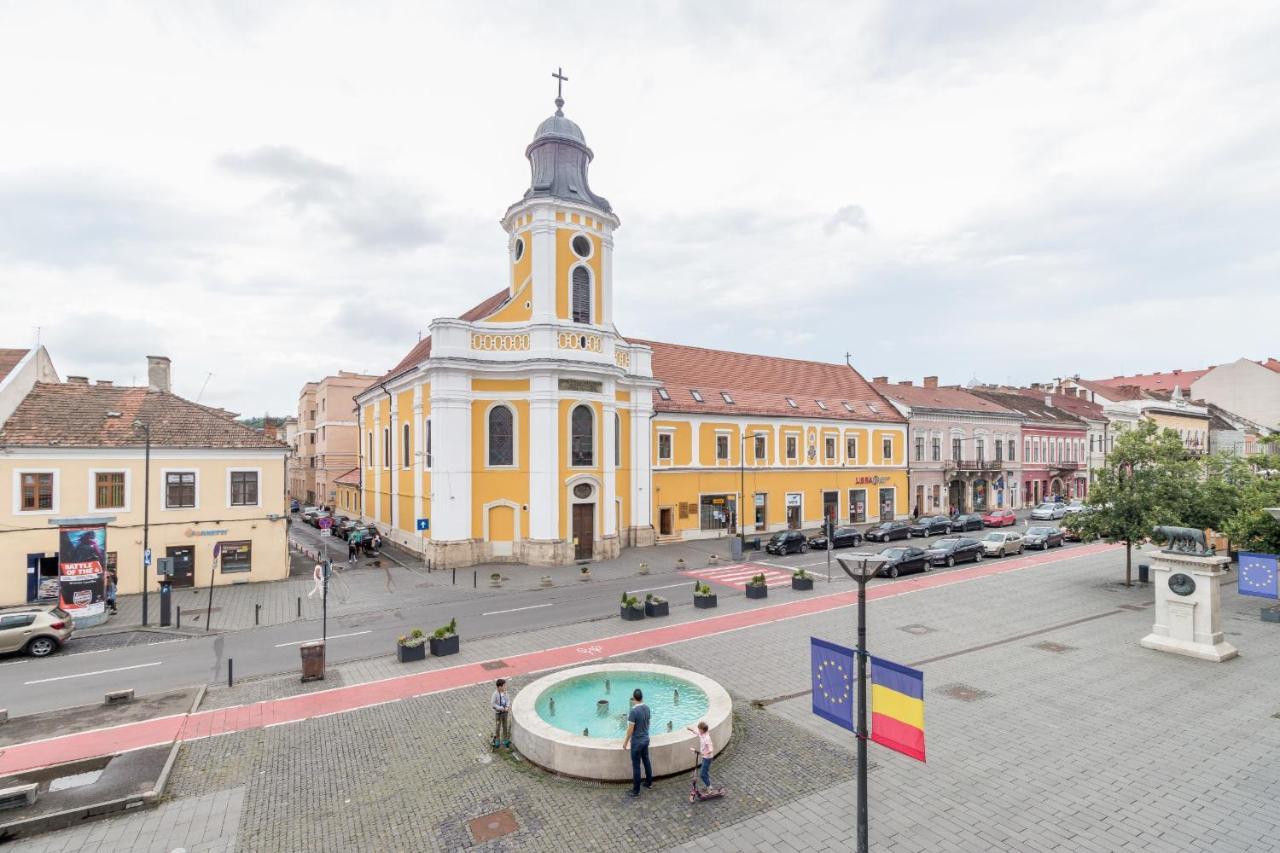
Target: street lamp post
[862,568]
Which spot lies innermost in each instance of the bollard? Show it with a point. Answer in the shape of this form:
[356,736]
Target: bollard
[455,575]
[299,606]
[473,579]
[179,625]
[231,668]
[257,608]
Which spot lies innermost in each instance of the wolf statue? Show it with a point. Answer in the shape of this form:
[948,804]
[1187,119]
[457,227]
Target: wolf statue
[1182,540]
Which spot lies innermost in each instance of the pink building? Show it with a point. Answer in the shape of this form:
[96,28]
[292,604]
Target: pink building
[1054,445]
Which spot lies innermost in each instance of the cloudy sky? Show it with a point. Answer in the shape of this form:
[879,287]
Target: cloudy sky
[268,192]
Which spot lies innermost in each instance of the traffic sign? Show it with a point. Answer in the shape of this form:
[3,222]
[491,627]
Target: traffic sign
[146,557]
[325,531]
[424,524]
[324,523]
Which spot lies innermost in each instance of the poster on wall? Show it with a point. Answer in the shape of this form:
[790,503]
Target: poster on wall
[82,559]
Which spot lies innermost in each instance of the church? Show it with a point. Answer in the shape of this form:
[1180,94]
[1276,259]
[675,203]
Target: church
[530,430]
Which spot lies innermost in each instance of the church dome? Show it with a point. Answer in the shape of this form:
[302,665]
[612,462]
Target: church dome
[558,159]
[558,125]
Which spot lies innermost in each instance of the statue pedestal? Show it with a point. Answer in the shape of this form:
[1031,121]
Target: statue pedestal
[1188,601]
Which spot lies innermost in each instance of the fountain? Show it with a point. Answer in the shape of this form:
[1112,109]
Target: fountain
[545,730]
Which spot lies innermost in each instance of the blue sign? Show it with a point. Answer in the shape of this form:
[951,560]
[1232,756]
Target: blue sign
[833,688]
[1258,575]
[424,524]
[146,557]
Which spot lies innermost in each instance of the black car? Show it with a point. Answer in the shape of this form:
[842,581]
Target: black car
[787,542]
[343,526]
[972,521]
[888,531]
[844,537]
[931,525]
[952,550]
[901,560]
[1043,538]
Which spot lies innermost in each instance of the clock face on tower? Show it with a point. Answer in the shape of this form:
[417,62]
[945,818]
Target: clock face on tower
[1180,584]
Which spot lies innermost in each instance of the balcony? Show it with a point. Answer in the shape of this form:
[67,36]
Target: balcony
[1062,465]
[975,464]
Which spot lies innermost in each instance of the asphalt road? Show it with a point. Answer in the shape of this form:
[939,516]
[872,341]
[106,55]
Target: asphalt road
[75,678]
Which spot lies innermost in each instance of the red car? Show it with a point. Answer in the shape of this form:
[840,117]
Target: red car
[1000,518]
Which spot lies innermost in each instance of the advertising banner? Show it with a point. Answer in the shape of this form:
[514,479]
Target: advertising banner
[82,560]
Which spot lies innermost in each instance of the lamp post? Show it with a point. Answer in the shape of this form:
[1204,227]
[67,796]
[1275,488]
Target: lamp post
[145,428]
[862,568]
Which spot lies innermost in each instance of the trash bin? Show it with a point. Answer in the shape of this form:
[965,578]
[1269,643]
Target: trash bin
[312,661]
[1144,573]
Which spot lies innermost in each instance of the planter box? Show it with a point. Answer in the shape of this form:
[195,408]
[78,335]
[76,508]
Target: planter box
[801,583]
[408,654]
[631,614]
[704,602]
[761,591]
[652,609]
[444,646]
[1270,614]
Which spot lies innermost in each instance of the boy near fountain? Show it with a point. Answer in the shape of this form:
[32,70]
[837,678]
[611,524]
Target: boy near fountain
[705,751]
[501,704]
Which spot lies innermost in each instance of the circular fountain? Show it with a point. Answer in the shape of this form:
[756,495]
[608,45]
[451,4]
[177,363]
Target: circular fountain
[571,723]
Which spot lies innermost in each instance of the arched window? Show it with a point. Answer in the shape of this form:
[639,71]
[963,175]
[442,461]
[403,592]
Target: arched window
[501,436]
[582,451]
[581,295]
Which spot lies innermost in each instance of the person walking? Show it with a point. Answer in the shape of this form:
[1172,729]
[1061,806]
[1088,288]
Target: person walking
[352,547]
[637,740]
[501,704]
[110,592]
[317,574]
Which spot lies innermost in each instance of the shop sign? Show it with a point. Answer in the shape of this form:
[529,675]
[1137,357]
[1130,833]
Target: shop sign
[191,531]
[82,560]
[794,500]
[872,480]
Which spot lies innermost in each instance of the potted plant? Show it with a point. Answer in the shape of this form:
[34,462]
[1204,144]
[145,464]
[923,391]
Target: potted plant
[703,597]
[584,573]
[644,568]
[444,641]
[756,587]
[495,579]
[632,610]
[802,580]
[412,647]
[656,605]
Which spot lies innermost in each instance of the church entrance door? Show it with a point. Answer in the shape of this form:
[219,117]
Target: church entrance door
[584,525]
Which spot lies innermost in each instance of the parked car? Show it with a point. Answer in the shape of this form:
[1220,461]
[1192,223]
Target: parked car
[1071,524]
[37,629]
[1002,544]
[842,537]
[963,522]
[1000,518]
[901,560]
[931,525]
[342,529]
[1043,538]
[888,531]
[787,542]
[314,519]
[954,549]
[1075,506]
[308,513]
[1049,511]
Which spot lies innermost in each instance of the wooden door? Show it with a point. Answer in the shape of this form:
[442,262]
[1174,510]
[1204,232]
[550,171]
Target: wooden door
[584,525]
[184,565]
[665,526]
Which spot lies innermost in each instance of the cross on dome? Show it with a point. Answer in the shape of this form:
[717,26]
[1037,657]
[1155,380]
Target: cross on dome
[560,81]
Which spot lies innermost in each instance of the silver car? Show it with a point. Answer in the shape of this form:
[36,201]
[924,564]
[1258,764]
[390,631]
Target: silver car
[37,629]
[1049,511]
[1002,543]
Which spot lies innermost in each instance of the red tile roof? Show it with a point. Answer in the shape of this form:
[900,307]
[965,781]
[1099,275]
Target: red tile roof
[74,414]
[944,397]
[1031,405]
[1271,364]
[1077,406]
[351,478]
[9,359]
[1156,381]
[761,384]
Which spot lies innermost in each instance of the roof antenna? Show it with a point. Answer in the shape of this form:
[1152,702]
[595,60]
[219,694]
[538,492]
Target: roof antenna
[204,386]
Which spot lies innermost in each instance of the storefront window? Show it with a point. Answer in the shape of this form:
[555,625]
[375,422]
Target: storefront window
[857,506]
[236,557]
[716,512]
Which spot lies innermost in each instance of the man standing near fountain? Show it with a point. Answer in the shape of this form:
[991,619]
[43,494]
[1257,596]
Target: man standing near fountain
[637,739]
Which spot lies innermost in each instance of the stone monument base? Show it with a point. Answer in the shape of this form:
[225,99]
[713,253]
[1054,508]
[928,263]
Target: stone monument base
[1188,605]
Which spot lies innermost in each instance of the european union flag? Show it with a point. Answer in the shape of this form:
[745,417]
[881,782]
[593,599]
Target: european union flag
[833,687]
[1258,575]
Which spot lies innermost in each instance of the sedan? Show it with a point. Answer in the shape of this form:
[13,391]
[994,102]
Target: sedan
[1048,512]
[971,521]
[1043,538]
[899,561]
[1075,506]
[931,525]
[844,537]
[888,531]
[787,542]
[952,550]
[1000,518]
[1002,544]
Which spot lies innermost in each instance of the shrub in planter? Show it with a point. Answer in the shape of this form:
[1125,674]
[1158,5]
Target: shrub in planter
[802,580]
[495,579]
[412,647]
[632,610]
[644,568]
[584,573]
[444,641]
[656,605]
[756,587]
[703,597]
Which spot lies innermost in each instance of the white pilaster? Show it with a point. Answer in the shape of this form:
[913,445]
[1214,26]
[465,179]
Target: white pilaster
[641,452]
[397,451]
[451,449]
[377,460]
[542,235]
[544,462]
[419,457]
[609,505]
[606,286]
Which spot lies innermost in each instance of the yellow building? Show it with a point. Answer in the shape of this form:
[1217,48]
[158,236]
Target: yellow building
[347,494]
[74,455]
[530,429]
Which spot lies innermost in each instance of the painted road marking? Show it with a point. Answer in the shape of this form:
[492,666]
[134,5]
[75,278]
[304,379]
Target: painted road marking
[24,757]
[737,575]
[86,674]
[656,588]
[320,639]
[518,609]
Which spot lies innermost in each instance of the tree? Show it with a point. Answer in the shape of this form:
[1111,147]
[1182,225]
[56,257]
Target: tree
[1251,527]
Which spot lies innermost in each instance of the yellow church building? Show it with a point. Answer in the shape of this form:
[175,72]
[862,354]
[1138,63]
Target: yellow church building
[531,430]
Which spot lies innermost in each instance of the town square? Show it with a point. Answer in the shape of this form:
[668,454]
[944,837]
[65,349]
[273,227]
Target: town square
[441,434]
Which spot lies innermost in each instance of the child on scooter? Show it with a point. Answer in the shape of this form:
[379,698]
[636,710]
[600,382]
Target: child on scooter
[705,750]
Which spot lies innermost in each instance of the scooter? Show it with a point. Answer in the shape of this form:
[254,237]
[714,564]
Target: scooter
[712,793]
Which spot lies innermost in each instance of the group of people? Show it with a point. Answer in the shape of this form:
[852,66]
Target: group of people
[636,739]
[357,541]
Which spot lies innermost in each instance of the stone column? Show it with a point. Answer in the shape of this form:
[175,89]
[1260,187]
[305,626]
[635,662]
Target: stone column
[452,539]
[1188,605]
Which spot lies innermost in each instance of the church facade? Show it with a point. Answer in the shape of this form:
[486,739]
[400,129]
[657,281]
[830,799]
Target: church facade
[530,429]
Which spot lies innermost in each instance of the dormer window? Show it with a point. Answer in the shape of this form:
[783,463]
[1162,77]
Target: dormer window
[696,396]
[848,408]
[873,407]
[662,392]
[792,403]
[821,405]
[727,398]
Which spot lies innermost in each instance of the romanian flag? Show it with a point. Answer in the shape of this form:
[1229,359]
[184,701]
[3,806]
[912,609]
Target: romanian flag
[897,707]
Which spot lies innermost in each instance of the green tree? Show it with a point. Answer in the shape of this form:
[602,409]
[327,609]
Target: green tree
[1251,527]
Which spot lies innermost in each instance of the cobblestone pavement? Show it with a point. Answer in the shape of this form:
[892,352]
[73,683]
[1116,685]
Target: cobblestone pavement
[1049,728]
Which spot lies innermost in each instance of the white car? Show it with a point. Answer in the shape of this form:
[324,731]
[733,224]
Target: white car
[1050,511]
[1002,543]
[1075,506]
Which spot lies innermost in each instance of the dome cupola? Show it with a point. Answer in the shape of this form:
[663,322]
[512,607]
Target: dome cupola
[559,158]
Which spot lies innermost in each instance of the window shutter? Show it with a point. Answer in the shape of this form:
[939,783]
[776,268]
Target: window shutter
[581,295]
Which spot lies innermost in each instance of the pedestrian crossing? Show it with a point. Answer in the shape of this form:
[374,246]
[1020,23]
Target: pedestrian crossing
[736,575]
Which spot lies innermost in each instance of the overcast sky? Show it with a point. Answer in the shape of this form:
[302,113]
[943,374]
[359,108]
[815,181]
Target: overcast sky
[269,192]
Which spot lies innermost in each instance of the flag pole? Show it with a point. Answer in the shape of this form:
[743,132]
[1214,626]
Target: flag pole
[863,844]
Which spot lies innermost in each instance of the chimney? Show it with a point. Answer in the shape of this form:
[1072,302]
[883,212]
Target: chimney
[104,383]
[1048,401]
[883,380]
[906,382]
[1035,386]
[77,380]
[931,382]
[158,373]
